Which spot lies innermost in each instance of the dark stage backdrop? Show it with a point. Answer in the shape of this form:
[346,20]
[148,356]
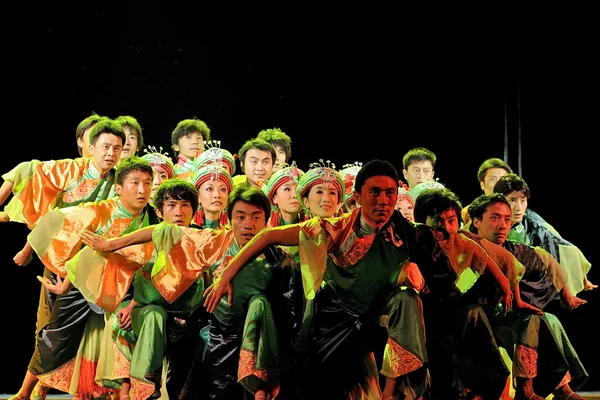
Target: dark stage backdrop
[346,85]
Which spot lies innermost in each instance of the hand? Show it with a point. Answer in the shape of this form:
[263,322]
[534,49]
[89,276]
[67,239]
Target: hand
[61,287]
[507,297]
[520,304]
[216,291]
[124,317]
[96,242]
[23,258]
[587,285]
[4,217]
[572,302]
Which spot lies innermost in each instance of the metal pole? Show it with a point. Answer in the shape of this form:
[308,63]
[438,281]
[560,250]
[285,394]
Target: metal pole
[505,122]
[520,153]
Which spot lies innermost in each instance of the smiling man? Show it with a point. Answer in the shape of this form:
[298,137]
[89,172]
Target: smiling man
[257,157]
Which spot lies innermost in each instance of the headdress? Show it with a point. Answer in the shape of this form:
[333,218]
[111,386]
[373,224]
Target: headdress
[212,172]
[404,193]
[214,154]
[321,172]
[157,158]
[349,172]
[417,190]
[281,177]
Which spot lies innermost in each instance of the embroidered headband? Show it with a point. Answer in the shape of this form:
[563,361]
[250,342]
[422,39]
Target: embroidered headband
[157,158]
[321,173]
[212,172]
[279,178]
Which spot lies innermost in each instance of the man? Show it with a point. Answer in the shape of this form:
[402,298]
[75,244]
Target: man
[56,239]
[350,266]
[235,349]
[176,202]
[53,184]
[134,140]
[282,144]
[544,363]
[459,332]
[419,166]
[527,227]
[188,140]
[488,174]
[68,182]
[257,158]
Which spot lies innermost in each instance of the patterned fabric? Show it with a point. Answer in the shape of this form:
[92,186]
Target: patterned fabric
[535,231]
[57,236]
[41,186]
[184,167]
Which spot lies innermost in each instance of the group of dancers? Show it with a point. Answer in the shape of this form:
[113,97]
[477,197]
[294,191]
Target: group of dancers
[182,277]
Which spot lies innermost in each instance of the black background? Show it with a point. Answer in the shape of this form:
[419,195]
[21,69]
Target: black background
[346,83]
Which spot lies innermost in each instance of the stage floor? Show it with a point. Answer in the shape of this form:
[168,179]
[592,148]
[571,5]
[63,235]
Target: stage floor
[587,395]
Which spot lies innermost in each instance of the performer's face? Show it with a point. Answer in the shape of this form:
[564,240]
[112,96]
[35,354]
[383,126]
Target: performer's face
[377,198]
[246,221]
[286,198]
[322,200]
[406,208]
[447,220]
[258,166]
[281,158]
[494,225]
[418,172]
[135,191]
[213,195]
[84,142]
[190,145]
[160,175]
[130,147]
[490,179]
[106,151]
[177,212]
[518,206]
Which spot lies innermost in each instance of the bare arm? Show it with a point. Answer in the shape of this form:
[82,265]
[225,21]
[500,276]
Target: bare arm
[503,282]
[555,271]
[5,191]
[520,304]
[99,243]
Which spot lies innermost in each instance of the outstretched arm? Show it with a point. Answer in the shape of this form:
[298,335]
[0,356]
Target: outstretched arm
[523,305]
[99,243]
[285,236]
[555,270]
